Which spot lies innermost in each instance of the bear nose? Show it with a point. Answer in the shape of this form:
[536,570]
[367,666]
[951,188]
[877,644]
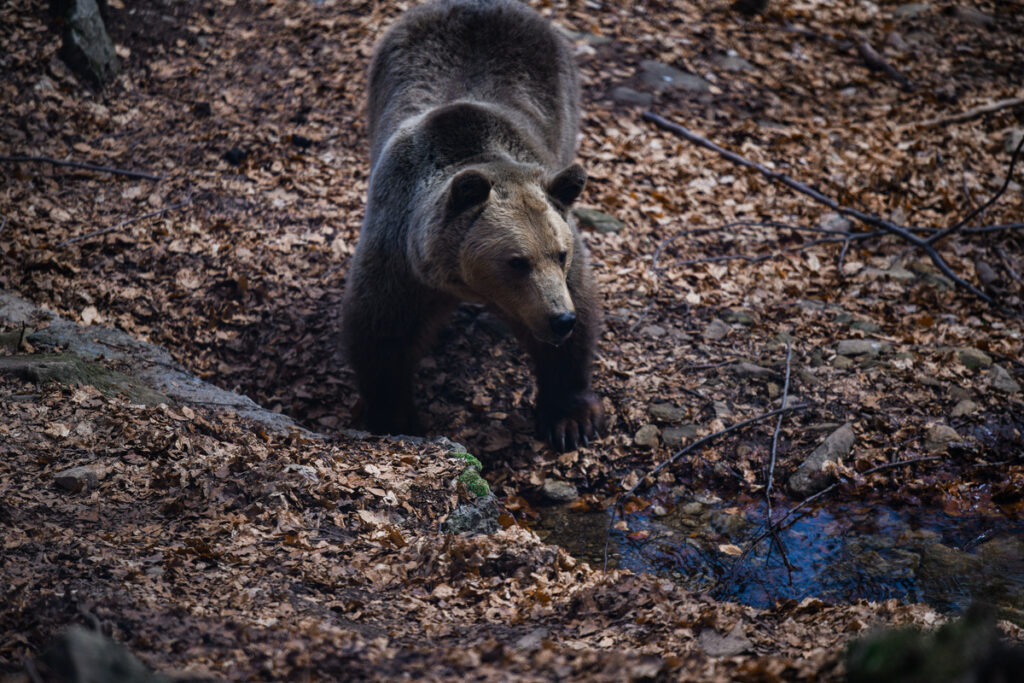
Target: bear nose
[562,323]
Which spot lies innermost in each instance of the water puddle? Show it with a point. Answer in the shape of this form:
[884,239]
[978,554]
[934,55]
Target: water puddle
[841,552]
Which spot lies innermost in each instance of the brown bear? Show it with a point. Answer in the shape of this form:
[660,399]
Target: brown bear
[473,117]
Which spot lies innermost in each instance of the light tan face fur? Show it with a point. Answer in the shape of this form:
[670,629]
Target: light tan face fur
[516,256]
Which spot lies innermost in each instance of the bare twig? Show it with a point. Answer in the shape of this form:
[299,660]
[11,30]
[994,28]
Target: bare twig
[969,114]
[932,239]
[113,228]
[797,186]
[680,453]
[79,164]
[876,62]
[775,437]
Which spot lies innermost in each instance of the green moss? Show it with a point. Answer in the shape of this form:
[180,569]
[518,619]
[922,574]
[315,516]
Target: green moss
[470,476]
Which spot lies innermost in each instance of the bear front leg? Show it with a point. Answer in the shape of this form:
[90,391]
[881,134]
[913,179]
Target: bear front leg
[569,413]
[384,372]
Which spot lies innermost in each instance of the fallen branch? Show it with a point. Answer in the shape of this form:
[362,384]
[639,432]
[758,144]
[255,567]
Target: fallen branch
[967,115]
[875,62]
[112,228]
[797,186]
[775,436]
[79,164]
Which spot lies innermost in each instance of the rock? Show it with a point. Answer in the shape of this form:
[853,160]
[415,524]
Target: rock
[597,221]
[939,436]
[750,371]
[692,509]
[911,9]
[588,37]
[860,347]
[674,437]
[809,477]
[971,16]
[716,330]
[624,95]
[842,362]
[721,409]
[865,326]
[532,640]
[666,412]
[1013,137]
[646,436]
[664,77]
[559,491]
[737,317]
[653,331]
[1000,378]
[899,274]
[835,221]
[79,655]
[974,358]
[86,47]
[937,280]
[70,370]
[896,42]
[305,471]
[966,407]
[480,517]
[733,62]
[730,645]
[78,479]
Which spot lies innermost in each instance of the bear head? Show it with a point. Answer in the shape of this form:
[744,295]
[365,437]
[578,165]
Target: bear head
[509,242]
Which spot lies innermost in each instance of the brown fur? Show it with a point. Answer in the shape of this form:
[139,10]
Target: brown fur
[473,108]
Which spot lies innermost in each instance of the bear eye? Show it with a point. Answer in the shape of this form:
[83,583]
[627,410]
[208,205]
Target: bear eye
[562,256]
[519,264]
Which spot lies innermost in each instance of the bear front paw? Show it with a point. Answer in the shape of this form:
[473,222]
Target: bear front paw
[571,422]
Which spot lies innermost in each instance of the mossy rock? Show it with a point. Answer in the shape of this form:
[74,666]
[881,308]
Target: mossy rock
[70,370]
[470,476]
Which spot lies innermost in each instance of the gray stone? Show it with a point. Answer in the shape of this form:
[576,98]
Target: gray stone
[664,77]
[937,280]
[721,409]
[716,330]
[730,645]
[86,47]
[733,63]
[964,407]
[835,221]
[653,331]
[896,42]
[911,9]
[973,358]
[479,517]
[305,471]
[860,347]
[939,436]
[865,326]
[598,221]
[78,479]
[1013,137]
[666,412]
[810,477]
[737,317]
[646,436]
[559,491]
[1000,378]
[972,16]
[750,371]
[625,95]
[675,437]
[588,37]
[532,640]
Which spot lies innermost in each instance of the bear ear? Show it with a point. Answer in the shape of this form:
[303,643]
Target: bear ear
[567,185]
[468,188]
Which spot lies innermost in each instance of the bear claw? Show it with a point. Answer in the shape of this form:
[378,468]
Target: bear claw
[567,428]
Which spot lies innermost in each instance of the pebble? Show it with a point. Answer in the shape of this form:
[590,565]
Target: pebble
[676,436]
[646,436]
[664,77]
[78,479]
[974,358]
[939,436]
[624,95]
[716,330]
[1002,380]
[750,370]
[559,491]
[859,347]
[666,412]
[598,221]
[964,407]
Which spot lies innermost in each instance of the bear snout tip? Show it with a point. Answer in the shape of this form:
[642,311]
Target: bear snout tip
[561,324]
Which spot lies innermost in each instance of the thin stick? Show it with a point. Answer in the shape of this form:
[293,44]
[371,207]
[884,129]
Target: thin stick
[79,164]
[969,114]
[112,228]
[775,436]
[932,239]
[708,439]
[817,196]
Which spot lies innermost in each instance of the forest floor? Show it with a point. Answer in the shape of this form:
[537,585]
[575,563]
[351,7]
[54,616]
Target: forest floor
[210,544]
